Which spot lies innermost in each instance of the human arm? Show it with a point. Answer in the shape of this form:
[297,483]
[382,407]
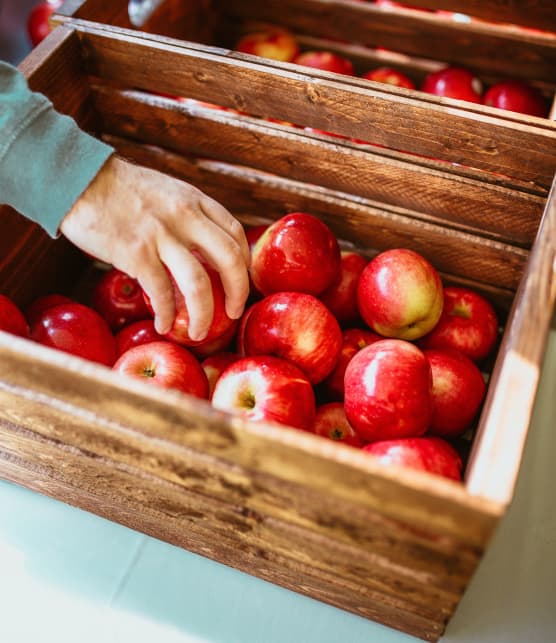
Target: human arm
[139,220]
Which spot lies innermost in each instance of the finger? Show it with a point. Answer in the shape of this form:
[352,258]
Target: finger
[224,255]
[218,214]
[194,284]
[154,280]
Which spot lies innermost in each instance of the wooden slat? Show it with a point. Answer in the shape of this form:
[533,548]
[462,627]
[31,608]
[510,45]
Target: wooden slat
[114,12]
[498,48]
[539,14]
[514,145]
[170,514]
[505,213]
[286,516]
[55,68]
[100,397]
[511,394]
[369,225]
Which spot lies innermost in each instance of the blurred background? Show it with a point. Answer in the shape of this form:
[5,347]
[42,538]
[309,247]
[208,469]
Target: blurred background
[15,42]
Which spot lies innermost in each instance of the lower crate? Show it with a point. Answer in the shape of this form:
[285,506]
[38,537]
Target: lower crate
[394,545]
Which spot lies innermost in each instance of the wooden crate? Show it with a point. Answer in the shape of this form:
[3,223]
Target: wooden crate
[503,40]
[393,545]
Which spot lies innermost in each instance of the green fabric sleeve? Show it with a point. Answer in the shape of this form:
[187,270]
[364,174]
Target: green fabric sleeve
[46,160]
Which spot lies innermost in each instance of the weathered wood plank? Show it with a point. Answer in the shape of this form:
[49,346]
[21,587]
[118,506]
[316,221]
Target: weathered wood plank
[517,372]
[499,48]
[506,213]
[162,511]
[435,127]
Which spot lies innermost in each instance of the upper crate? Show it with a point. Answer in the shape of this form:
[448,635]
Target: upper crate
[497,40]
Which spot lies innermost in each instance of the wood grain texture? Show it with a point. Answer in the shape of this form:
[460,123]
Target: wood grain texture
[518,369]
[505,213]
[172,515]
[368,225]
[55,68]
[531,13]
[496,47]
[435,127]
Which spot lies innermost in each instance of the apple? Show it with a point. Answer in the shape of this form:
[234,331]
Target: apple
[296,327]
[275,43]
[222,342]
[331,422]
[399,294]
[296,252]
[180,328]
[165,364]
[77,329]
[42,303]
[388,391]
[119,299]
[454,82]
[458,389]
[135,334]
[12,320]
[341,296]
[353,340]
[264,387]
[215,364]
[325,60]
[431,454]
[516,96]
[390,76]
[468,323]
[38,26]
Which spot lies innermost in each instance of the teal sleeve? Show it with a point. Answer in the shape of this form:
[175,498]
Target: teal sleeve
[46,160]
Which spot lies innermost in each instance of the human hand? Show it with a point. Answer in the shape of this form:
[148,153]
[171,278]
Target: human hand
[142,221]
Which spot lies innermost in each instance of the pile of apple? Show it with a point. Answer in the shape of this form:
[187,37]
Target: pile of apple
[450,81]
[376,353]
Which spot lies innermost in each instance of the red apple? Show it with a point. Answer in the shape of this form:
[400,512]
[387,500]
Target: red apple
[390,76]
[331,422]
[12,320]
[517,96]
[220,321]
[388,391]
[327,61]
[42,303]
[297,252]
[119,299]
[468,323]
[341,296]
[458,389]
[135,334]
[297,327]
[454,82]
[431,454]
[214,365]
[266,388]
[165,364]
[221,342]
[38,26]
[399,294]
[77,329]
[353,340]
[275,43]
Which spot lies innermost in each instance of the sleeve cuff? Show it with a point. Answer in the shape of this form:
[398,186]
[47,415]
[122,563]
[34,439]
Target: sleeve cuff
[48,166]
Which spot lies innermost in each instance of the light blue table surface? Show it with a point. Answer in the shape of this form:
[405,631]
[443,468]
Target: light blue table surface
[67,576]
